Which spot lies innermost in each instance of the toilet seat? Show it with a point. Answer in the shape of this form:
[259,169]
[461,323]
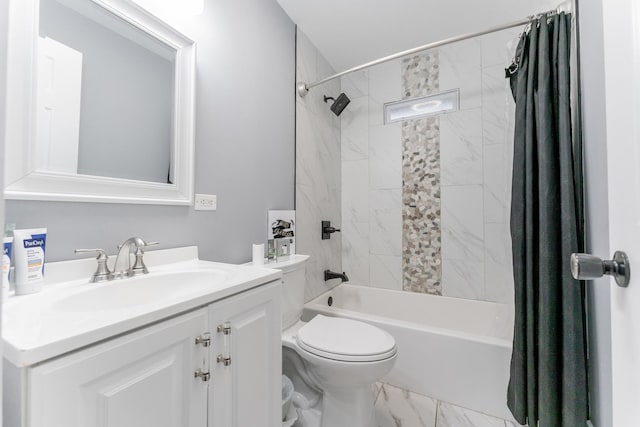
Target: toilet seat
[345,340]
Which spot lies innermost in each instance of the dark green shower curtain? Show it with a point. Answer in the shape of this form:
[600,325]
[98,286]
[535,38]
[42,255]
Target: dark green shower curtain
[548,367]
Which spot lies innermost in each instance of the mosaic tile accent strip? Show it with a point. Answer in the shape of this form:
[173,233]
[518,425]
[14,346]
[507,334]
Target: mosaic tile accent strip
[421,224]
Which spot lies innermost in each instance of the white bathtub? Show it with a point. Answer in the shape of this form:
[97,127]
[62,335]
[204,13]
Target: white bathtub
[450,349]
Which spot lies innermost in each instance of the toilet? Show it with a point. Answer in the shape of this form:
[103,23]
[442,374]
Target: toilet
[336,358]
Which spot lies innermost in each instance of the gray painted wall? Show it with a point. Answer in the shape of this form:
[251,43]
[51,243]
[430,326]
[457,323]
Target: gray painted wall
[596,198]
[126,101]
[245,146]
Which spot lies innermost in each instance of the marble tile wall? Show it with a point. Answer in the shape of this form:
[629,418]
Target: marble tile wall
[372,179]
[470,152]
[318,169]
[402,408]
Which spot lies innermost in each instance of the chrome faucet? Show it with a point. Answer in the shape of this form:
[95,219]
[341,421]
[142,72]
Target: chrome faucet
[122,266]
[124,257]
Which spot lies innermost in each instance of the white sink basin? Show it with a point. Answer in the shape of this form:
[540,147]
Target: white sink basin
[141,290]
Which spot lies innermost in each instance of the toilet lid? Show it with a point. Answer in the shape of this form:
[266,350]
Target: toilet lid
[345,339]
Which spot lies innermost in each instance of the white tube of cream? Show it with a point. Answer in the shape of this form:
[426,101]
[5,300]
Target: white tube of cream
[6,266]
[28,254]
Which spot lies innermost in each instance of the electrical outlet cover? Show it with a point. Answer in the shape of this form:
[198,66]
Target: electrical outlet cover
[205,202]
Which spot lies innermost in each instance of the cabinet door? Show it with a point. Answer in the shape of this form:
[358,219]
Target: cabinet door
[145,378]
[247,391]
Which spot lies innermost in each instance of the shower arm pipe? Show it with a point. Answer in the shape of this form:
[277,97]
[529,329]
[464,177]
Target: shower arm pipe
[303,88]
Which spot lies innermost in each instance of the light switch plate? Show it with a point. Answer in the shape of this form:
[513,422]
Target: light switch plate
[206,202]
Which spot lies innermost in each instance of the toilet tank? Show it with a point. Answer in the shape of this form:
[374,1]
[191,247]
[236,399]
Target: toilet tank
[293,276]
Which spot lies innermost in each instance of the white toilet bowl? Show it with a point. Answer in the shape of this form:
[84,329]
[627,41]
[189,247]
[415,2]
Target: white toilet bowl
[343,358]
[331,358]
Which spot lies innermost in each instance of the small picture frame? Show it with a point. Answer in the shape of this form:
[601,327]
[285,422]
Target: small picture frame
[281,224]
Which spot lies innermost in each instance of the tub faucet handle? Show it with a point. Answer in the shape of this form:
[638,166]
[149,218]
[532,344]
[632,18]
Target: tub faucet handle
[328,230]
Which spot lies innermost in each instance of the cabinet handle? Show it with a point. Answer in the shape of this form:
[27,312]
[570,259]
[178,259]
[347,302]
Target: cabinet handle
[203,375]
[225,357]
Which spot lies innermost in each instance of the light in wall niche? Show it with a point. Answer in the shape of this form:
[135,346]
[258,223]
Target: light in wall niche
[408,109]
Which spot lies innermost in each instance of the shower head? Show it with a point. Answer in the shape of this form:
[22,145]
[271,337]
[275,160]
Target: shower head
[339,104]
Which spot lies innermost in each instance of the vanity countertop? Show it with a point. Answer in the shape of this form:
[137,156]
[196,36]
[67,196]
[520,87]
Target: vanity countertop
[71,313]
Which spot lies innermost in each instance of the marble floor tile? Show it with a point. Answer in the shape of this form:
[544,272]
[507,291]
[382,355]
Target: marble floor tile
[401,408]
[375,389]
[454,416]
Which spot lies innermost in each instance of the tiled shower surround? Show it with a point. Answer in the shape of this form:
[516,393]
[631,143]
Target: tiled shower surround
[425,203]
[317,169]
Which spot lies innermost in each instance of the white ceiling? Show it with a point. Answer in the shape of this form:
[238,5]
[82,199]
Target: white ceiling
[352,32]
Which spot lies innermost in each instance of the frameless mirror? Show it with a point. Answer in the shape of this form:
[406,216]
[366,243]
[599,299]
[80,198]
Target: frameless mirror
[103,97]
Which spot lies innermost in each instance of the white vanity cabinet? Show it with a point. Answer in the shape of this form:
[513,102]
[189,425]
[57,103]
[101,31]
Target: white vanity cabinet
[144,378]
[147,377]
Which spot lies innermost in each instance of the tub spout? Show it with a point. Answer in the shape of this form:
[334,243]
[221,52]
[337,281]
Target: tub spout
[328,275]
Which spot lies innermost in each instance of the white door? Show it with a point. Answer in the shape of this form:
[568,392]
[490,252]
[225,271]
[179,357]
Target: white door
[622,76]
[246,391]
[58,109]
[143,379]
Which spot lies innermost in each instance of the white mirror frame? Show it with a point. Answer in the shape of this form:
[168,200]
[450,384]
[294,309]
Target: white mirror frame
[23,182]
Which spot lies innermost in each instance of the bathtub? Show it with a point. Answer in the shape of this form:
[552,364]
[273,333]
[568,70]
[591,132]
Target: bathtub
[449,349]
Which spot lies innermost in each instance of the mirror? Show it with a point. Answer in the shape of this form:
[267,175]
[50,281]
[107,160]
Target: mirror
[103,104]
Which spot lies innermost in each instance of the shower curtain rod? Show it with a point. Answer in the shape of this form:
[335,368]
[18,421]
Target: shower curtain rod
[303,88]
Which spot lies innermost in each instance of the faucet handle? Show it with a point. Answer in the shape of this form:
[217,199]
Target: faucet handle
[142,243]
[102,272]
[138,266]
[100,252]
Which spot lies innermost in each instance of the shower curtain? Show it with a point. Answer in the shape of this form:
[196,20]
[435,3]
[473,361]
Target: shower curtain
[548,384]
